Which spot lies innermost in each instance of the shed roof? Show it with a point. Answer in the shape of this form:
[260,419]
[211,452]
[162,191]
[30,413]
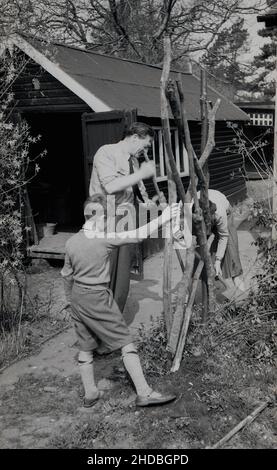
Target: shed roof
[107,83]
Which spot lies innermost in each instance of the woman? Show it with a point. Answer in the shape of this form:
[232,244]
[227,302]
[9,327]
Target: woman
[225,247]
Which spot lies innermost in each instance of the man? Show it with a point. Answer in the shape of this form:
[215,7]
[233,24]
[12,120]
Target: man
[116,172]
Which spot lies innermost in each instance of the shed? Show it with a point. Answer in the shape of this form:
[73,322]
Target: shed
[78,100]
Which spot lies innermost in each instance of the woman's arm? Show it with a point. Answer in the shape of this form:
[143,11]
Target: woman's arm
[141,233]
[223,234]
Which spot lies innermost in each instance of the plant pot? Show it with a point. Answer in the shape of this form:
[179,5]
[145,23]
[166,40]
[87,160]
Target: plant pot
[49,229]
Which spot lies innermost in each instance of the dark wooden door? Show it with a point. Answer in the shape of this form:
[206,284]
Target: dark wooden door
[100,129]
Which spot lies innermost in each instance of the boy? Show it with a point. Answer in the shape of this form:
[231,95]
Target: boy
[96,315]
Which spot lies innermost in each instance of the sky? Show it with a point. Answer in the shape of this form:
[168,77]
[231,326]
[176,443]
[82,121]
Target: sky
[255,41]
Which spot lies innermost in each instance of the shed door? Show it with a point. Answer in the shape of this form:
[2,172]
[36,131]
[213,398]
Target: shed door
[100,129]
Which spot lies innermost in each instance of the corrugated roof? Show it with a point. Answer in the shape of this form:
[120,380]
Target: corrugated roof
[125,84]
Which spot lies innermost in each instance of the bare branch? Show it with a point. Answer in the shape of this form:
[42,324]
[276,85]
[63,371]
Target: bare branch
[212,110]
[166,11]
[120,28]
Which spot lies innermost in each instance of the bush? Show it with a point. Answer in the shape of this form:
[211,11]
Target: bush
[152,348]
[16,170]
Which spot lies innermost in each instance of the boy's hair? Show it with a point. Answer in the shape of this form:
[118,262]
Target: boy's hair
[140,129]
[92,203]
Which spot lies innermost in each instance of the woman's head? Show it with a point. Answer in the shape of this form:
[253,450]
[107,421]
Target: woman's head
[212,211]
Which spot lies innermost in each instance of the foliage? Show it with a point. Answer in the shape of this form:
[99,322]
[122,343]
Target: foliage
[222,58]
[16,170]
[253,150]
[15,140]
[152,348]
[265,63]
[249,328]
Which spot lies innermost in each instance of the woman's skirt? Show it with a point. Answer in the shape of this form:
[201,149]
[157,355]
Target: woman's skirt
[231,264]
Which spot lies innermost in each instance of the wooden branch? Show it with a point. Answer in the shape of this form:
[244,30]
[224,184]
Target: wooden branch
[203,108]
[167,267]
[212,110]
[182,298]
[198,219]
[203,173]
[241,425]
[176,111]
[188,313]
[154,179]
[180,259]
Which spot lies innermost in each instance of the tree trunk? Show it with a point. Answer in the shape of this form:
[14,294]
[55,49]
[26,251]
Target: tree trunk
[168,249]
[182,299]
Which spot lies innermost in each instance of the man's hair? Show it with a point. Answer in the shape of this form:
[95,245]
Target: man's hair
[140,129]
[92,203]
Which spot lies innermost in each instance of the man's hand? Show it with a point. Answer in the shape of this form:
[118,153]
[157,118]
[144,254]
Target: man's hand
[147,170]
[217,267]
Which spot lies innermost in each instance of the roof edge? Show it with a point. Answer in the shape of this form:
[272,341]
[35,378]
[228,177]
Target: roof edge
[89,98]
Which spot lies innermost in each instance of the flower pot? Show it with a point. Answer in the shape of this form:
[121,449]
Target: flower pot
[49,229]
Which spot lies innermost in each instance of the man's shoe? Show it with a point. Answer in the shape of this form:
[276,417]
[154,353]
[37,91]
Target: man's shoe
[154,399]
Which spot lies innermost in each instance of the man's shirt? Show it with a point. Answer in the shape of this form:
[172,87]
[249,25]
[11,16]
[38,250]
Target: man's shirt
[110,162]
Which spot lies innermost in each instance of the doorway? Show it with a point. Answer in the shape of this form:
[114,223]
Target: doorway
[57,192]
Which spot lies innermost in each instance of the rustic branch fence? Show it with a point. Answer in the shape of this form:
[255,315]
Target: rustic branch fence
[172,97]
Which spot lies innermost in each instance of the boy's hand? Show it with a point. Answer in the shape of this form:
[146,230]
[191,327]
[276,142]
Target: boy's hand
[170,213]
[147,170]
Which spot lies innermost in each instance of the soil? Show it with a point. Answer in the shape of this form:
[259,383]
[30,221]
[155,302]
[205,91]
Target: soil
[40,396]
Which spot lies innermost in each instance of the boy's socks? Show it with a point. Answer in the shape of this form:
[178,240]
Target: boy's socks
[133,366]
[85,362]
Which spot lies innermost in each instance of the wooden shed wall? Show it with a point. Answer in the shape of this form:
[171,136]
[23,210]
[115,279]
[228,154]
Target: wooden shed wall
[50,96]
[225,163]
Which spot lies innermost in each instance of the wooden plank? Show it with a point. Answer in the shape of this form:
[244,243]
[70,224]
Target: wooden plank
[43,93]
[62,108]
[49,101]
[45,255]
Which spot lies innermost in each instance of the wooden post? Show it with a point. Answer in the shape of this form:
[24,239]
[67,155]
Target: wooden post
[204,197]
[182,300]
[198,219]
[245,422]
[172,196]
[274,189]
[188,312]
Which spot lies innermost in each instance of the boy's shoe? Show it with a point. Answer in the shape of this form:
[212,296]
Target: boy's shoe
[154,398]
[89,402]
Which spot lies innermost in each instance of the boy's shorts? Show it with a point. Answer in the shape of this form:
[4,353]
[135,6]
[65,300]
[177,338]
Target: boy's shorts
[97,319]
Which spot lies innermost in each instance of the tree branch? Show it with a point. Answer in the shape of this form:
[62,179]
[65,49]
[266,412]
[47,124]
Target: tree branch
[166,9]
[212,110]
[120,28]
